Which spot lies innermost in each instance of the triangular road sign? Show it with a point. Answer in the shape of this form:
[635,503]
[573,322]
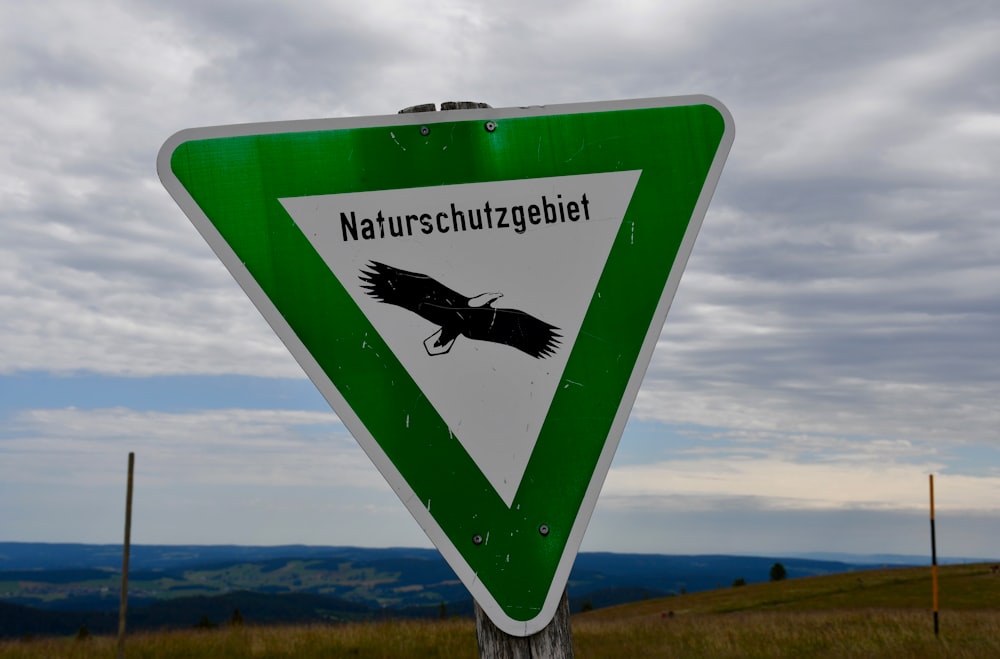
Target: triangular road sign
[477,293]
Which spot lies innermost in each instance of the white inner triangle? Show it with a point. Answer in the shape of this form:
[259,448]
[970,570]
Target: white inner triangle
[493,396]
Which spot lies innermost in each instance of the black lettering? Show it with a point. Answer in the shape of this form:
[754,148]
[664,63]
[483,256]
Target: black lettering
[367,229]
[394,226]
[517,217]
[550,211]
[534,214]
[489,218]
[410,219]
[349,226]
[573,211]
[457,218]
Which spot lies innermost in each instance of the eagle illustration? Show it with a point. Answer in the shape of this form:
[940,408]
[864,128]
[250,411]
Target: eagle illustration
[473,317]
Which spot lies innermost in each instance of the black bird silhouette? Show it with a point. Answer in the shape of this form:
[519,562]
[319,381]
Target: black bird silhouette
[474,318]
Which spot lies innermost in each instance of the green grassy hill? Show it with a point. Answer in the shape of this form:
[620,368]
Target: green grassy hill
[877,613]
[962,587]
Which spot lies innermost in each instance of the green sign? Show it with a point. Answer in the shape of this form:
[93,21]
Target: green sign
[477,294]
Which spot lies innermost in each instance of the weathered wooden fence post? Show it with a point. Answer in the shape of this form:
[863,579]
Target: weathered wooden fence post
[934,570]
[126,548]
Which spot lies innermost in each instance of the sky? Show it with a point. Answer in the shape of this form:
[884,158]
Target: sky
[834,339]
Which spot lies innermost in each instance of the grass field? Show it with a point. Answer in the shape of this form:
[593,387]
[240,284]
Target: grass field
[879,613]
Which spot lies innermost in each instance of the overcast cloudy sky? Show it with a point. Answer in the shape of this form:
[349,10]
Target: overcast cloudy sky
[835,338]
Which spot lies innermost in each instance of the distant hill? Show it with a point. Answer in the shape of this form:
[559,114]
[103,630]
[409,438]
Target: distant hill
[890,559]
[58,587]
[964,587]
[53,556]
[675,574]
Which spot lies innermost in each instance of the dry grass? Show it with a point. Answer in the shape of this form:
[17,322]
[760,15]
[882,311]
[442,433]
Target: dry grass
[841,634]
[882,613]
[808,634]
[383,640]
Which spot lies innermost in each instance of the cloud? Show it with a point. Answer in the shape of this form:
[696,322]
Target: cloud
[743,527]
[232,447]
[779,484]
[843,285]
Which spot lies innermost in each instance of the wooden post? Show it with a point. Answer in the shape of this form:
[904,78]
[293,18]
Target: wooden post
[447,105]
[553,642]
[556,640]
[934,570]
[126,548]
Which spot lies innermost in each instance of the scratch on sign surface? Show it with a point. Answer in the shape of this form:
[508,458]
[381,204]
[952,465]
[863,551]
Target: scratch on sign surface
[583,145]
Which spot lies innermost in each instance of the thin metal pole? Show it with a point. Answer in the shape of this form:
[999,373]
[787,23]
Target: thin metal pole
[934,570]
[126,548]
